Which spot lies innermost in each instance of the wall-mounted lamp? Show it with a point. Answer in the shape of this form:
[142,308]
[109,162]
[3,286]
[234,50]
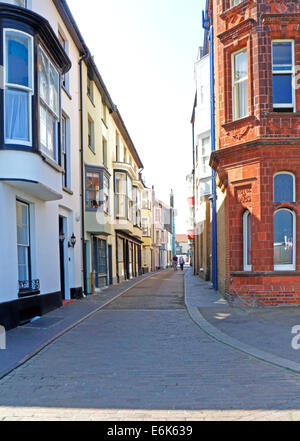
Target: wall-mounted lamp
[72,241]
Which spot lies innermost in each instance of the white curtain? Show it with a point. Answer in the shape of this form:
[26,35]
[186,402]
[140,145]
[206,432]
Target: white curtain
[16,115]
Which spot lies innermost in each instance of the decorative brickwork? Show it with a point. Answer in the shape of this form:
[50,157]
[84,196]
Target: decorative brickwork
[252,149]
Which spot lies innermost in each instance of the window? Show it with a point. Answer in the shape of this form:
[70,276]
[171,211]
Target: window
[97,189]
[91,134]
[104,113]
[283,75]
[206,151]
[247,241]
[90,90]
[22,3]
[64,44]
[146,226]
[240,84]
[117,147]
[284,187]
[49,105]
[130,200]
[146,202]
[23,241]
[121,195]
[18,87]
[65,150]
[104,148]
[284,240]
[235,3]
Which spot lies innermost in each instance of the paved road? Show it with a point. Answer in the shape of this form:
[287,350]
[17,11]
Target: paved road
[143,358]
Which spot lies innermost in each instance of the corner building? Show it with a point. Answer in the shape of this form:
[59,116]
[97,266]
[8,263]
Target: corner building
[257,161]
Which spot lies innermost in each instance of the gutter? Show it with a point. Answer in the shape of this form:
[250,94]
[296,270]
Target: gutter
[84,274]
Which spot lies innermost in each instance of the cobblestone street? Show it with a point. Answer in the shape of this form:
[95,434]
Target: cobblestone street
[142,357]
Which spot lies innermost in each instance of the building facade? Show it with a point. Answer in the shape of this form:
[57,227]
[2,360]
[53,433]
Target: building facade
[39,148]
[147,250]
[257,157]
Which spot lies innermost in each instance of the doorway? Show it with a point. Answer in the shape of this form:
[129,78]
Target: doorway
[62,239]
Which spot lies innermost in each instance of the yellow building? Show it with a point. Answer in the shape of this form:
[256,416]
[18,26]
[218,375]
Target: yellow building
[146,227]
[112,188]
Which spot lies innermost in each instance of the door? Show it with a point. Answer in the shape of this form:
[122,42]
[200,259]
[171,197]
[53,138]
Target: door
[110,265]
[100,262]
[62,238]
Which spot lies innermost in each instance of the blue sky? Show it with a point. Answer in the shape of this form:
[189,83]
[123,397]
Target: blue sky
[145,51]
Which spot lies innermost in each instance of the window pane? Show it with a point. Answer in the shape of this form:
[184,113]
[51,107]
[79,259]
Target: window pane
[241,66]
[283,238]
[93,190]
[17,118]
[249,240]
[22,224]
[18,59]
[282,55]
[43,77]
[54,90]
[242,89]
[282,89]
[43,127]
[23,266]
[284,188]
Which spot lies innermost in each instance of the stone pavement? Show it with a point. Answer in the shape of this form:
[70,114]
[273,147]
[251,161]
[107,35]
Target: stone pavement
[143,358]
[265,333]
[25,341]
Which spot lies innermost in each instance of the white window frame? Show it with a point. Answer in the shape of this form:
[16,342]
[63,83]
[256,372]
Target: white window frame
[235,83]
[294,185]
[234,3]
[293,266]
[292,72]
[48,109]
[247,267]
[67,149]
[29,90]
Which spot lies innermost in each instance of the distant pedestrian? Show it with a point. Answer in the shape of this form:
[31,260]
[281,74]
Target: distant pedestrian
[181,262]
[175,262]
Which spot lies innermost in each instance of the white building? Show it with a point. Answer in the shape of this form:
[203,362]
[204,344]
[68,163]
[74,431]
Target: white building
[40,225]
[202,171]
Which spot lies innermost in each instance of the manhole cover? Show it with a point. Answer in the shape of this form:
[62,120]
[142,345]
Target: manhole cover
[44,322]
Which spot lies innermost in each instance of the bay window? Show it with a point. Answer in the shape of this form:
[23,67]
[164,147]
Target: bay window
[283,75]
[130,199]
[18,87]
[97,189]
[49,105]
[240,84]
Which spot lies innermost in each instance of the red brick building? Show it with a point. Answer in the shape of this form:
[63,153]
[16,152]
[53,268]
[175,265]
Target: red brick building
[257,161]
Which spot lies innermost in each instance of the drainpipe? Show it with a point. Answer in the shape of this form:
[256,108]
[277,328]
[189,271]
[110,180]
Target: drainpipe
[194,202]
[209,27]
[84,57]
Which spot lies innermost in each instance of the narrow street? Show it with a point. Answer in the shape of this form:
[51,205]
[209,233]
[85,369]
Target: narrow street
[142,357]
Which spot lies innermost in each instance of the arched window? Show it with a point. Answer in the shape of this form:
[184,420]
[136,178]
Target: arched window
[247,241]
[284,240]
[284,187]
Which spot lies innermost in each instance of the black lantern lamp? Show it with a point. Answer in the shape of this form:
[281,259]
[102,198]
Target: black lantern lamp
[72,241]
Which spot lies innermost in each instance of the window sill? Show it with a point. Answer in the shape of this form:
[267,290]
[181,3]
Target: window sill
[233,9]
[92,150]
[265,273]
[66,92]
[51,162]
[282,114]
[91,100]
[67,190]
[239,122]
[28,293]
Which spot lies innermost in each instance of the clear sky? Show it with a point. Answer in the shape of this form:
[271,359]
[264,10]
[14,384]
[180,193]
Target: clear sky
[145,51]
